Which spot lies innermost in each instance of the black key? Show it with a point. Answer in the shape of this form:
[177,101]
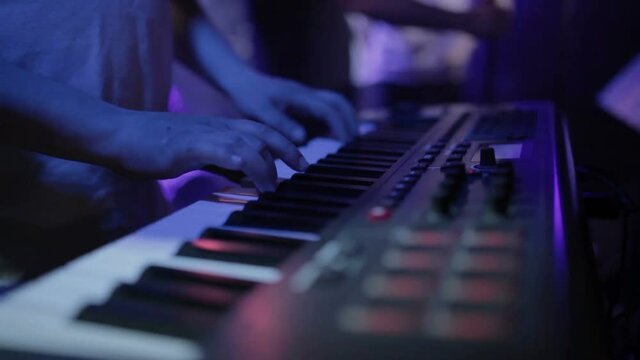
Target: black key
[344,162]
[206,298]
[383,160]
[291,209]
[388,131]
[236,251]
[357,171]
[376,144]
[248,237]
[380,137]
[299,187]
[308,199]
[390,139]
[272,220]
[152,317]
[358,150]
[347,180]
[417,124]
[170,276]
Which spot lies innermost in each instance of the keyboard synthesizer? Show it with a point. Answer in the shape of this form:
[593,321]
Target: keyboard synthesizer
[446,232]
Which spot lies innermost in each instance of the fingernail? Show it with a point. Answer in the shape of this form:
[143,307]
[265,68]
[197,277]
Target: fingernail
[299,135]
[302,164]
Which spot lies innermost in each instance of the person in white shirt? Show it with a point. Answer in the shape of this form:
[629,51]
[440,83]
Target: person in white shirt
[83,122]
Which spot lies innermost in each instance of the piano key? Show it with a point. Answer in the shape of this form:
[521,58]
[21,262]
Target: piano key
[317,200]
[336,190]
[385,131]
[392,136]
[67,291]
[386,160]
[314,150]
[238,270]
[294,234]
[355,149]
[52,335]
[205,297]
[292,209]
[273,220]
[346,162]
[378,144]
[388,138]
[152,317]
[347,180]
[358,171]
[123,261]
[164,274]
[236,195]
[244,236]
[244,252]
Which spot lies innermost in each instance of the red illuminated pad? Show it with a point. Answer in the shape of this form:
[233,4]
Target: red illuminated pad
[400,286]
[417,260]
[474,325]
[475,262]
[379,213]
[494,240]
[479,290]
[427,238]
[379,319]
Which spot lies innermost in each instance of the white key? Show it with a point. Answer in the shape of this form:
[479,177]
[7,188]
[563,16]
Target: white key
[40,316]
[24,329]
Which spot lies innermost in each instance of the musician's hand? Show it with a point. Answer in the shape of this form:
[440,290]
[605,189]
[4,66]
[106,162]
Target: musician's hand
[167,145]
[486,19]
[276,102]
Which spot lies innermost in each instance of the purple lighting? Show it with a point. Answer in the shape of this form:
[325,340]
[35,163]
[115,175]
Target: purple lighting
[559,240]
[176,101]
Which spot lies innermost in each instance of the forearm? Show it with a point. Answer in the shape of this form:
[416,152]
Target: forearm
[39,114]
[200,47]
[407,12]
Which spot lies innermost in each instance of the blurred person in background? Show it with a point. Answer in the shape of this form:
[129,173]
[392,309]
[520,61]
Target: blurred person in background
[342,44]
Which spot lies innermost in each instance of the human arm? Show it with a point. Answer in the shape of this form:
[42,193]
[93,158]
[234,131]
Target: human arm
[272,101]
[42,115]
[484,19]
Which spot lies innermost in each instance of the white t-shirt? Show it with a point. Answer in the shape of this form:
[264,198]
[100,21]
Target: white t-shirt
[117,50]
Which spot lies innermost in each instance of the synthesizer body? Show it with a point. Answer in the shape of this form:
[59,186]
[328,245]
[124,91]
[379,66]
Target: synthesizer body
[473,259]
[447,232]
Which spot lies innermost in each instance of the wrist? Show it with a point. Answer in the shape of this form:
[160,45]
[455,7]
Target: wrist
[106,143]
[236,81]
